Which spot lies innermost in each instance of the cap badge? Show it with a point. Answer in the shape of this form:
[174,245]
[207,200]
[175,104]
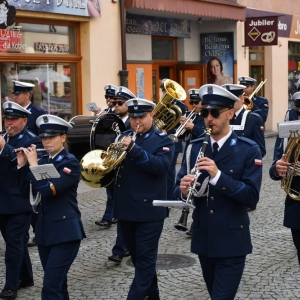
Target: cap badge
[46,120]
[210,89]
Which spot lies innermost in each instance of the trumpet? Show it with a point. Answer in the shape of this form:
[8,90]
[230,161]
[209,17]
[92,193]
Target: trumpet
[181,130]
[248,102]
[192,192]
[37,150]
[4,133]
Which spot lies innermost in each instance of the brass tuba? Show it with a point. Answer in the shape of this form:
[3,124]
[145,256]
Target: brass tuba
[292,152]
[166,115]
[248,102]
[97,166]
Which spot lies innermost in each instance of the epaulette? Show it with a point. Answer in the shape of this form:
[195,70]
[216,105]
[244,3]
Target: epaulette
[31,134]
[161,133]
[126,132]
[260,97]
[246,140]
[255,114]
[38,108]
[197,140]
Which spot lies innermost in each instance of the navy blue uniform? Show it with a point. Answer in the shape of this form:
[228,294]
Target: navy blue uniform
[292,207]
[36,111]
[261,107]
[15,212]
[59,229]
[221,234]
[140,179]
[253,129]
[178,149]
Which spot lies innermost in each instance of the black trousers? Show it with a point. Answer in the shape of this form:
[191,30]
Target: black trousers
[296,240]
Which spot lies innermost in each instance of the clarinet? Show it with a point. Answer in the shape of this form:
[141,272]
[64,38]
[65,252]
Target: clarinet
[192,189]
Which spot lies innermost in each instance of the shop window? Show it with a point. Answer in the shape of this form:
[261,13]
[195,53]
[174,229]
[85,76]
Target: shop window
[38,38]
[163,49]
[293,70]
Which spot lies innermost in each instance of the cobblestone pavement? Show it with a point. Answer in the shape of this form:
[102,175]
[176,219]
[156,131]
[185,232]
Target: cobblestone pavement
[271,270]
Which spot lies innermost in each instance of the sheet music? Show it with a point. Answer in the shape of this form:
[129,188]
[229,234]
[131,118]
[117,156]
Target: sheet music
[285,128]
[46,171]
[172,203]
[92,106]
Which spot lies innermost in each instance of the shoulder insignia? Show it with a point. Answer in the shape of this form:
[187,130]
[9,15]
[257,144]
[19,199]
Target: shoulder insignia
[37,107]
[233,142]
[59,158]
[162,133]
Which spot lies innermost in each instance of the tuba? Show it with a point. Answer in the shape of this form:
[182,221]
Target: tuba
[248,102]
[97,166]
[166,115]
[292,152]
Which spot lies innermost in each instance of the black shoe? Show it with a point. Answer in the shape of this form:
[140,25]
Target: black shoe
[31,243]
[8,294]
[115,258]
[126,254]
[103,223]
[189,233]
[152,297]
[251,208]
[114,221]
[24,284]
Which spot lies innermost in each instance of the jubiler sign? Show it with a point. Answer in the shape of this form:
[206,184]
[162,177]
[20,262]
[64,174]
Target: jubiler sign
[261,31]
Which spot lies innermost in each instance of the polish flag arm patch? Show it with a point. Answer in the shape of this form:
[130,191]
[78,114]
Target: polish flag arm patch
[258,162]
[166,149]
[67,170]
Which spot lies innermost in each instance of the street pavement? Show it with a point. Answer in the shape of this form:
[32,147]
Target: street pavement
[271,271]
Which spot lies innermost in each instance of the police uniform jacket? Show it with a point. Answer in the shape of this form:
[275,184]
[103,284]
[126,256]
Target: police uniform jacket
[59,219]
[36,111]
[253,130]
[261,107]
[292,207]
[142,177]
[11,201]
[182,106]
[221,222]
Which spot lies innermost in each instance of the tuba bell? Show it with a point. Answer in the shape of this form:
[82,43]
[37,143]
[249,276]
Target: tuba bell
[166,115]
[292,152]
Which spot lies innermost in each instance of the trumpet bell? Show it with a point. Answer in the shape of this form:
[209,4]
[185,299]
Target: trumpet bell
[93,171]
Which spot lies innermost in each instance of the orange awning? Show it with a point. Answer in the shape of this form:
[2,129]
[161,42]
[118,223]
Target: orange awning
[223,9]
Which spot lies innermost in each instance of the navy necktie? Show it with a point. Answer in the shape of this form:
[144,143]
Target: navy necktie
[215,149]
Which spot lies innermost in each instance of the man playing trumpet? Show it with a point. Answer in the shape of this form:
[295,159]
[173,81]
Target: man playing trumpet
[260,104]
[232,165]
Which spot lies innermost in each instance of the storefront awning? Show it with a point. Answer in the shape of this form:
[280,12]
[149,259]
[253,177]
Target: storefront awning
[223,9]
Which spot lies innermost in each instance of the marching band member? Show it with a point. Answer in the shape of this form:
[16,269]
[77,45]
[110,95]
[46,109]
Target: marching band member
[245,122]
[110,91]
[59,229]
[279,169]
[141,178]
[15,212]
[232,165]
[260,104]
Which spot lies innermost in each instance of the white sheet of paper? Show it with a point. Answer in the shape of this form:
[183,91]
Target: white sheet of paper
[172,203]
[46,171]
[92,106]
[285,128]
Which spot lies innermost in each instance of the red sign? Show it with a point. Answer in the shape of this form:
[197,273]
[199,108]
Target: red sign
[261,31]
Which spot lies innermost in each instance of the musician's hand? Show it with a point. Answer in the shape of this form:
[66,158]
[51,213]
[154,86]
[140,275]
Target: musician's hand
[21,157]
[189,125]
[185,183]
[31,155]
[208,165]
[281,166]
[2,142]
[182,119]
[126,143]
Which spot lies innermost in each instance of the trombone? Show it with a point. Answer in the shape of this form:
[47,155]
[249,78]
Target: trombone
[181,130]
[248,102]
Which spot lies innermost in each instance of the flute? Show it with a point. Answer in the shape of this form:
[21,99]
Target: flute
[37,150]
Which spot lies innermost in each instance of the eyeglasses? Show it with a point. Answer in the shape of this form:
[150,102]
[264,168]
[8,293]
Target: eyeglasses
[110,97]
[194,102]
[215,113]
[120,103]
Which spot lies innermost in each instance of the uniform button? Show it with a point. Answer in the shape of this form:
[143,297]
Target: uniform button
[122,167]
[145,200]
[242,226]
[223,188]
[243,133]
[231,171]
[211,212]
[118,185]
[64,217]
[119,176]
[212,198]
